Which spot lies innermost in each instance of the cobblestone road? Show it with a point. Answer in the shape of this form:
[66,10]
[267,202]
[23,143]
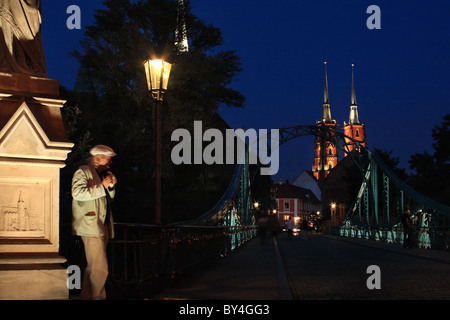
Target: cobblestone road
[323,268]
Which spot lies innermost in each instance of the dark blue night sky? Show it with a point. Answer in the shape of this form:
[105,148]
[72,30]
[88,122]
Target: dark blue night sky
[401,70]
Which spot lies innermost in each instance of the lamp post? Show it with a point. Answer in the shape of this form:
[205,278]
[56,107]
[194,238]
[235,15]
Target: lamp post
[157,73]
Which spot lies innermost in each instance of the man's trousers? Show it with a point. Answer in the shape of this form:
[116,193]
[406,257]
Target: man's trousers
[93,287]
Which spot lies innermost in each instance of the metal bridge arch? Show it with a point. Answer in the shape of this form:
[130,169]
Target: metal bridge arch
[382,197]
[375,211]
[234,208]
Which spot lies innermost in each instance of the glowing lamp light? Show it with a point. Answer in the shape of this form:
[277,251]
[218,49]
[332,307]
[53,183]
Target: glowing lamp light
[157,72]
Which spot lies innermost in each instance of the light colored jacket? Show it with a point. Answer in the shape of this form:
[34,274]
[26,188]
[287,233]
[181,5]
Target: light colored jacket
[89,204]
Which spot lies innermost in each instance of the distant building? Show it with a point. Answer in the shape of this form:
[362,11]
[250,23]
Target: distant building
[339,190]
[294,202]
[307,180]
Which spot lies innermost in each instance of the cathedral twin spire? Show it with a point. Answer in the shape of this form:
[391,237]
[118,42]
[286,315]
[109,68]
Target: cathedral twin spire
[326,114]
[326,152]
[353,119]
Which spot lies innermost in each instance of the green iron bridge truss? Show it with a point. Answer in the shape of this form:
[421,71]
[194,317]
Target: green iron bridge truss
[375,211]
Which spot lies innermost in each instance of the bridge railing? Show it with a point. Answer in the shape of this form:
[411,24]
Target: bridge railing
[145,259]
[434,237]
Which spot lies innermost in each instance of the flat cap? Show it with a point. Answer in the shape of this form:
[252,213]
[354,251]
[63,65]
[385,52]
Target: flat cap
[102,150]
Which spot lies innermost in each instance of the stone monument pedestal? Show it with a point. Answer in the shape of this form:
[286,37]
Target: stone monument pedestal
[33,277]
[33,148]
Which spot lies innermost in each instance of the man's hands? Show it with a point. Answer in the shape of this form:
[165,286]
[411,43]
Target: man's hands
[110,180]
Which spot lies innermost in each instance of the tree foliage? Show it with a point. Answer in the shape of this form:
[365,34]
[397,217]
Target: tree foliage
[432,170]
[392,163]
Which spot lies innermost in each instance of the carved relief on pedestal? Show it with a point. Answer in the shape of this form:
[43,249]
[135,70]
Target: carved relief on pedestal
[23,206]
[19,217]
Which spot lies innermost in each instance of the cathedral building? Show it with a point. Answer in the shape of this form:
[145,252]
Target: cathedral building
[354,129]
[338,179]
[326,155]
[325,152]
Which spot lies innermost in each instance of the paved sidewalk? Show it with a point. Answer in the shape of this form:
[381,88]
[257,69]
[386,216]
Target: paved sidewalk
[252,272]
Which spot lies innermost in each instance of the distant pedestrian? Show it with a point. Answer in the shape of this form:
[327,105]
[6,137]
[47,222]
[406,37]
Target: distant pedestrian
[262,225]
[407,228]
[290,227]
[273,225]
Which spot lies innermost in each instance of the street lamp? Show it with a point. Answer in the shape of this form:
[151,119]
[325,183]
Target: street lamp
[157,73]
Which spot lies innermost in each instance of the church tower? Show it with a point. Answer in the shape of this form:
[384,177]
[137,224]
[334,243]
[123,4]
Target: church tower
[354,128]
[22,214]
[325,153]
[181,39]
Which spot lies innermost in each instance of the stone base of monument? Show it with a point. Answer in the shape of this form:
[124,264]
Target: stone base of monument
[33,277]
[33,148]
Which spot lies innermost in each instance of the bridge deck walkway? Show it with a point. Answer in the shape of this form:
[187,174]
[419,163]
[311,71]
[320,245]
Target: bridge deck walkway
[257,272]
[252,272]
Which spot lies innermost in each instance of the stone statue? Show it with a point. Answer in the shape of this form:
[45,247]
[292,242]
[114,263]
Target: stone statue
[21,49]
